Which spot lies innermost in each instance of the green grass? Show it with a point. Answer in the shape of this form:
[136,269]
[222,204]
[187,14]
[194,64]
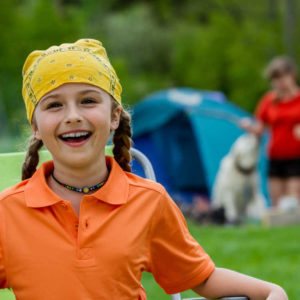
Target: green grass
[272,254]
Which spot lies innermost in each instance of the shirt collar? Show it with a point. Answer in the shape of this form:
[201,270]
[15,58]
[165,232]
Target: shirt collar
[115,190]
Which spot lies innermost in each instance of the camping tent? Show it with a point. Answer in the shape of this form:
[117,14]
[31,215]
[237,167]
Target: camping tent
[185,133]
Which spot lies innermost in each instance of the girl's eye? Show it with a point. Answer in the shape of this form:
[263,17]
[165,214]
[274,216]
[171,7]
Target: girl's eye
[53,105]
[88,101]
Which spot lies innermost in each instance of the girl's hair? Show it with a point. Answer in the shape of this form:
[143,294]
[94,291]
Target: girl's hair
[121,140]
[280,65]
[32,158]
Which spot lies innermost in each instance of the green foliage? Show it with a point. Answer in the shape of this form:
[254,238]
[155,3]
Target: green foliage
[215,44]
[31,25]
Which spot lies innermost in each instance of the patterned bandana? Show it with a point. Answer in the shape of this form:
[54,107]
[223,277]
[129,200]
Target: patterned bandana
[85,61]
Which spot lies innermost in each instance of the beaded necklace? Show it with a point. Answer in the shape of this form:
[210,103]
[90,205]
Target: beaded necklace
[84,189]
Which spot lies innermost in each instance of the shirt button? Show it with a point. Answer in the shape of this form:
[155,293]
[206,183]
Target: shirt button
[86,224]
[85,253]
[64,205]
[76,226]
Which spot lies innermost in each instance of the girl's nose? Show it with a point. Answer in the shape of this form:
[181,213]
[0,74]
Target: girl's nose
[73,116]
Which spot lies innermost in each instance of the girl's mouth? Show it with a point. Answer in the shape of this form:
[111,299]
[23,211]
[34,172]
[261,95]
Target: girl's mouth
[75,139]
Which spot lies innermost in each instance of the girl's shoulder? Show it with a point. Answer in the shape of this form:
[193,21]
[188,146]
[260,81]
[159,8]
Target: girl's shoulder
[136,181]
[13,190]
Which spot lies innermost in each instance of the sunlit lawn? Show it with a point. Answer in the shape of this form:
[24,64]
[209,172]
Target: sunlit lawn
[272,254]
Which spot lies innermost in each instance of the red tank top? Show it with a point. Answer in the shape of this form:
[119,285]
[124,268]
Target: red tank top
[283,118]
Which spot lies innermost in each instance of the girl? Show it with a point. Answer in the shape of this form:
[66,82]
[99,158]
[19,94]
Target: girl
[279,109]
[82,227]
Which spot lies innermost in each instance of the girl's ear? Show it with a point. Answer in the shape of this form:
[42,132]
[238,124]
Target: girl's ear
[35,131]
[115,118]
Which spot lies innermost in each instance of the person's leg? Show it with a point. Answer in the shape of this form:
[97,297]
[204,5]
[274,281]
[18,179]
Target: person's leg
[277,189]
[293,178]
[276,181]
[293,187]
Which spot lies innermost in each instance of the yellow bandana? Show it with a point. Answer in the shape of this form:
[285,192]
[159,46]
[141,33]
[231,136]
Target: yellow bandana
[85,61]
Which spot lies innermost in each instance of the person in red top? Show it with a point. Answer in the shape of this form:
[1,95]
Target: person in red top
[82,226]
[279,110]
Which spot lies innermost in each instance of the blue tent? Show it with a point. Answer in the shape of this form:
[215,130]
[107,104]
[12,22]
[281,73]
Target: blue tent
[185,133]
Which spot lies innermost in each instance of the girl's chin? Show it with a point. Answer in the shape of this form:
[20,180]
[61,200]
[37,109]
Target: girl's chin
[79,157]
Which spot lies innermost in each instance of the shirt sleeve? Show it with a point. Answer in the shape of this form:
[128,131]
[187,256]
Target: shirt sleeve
[178,262]
[3,281]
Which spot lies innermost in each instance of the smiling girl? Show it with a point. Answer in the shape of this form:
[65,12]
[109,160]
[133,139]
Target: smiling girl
[82,226]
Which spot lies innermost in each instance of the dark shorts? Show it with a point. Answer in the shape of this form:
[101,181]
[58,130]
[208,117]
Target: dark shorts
[284,168]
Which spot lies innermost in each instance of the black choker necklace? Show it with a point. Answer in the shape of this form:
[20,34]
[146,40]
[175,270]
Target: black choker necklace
[84,190]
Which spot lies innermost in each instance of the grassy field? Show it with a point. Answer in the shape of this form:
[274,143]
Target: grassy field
[272,254]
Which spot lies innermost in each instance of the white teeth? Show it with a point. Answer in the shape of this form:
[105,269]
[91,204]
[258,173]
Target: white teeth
[74,134]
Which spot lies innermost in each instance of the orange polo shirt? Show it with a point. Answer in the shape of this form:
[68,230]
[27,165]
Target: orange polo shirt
[129,226]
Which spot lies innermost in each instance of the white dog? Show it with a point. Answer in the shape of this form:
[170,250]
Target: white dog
[236,185]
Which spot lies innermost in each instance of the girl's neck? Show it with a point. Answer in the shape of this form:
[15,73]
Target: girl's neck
[79,177]
[288,93]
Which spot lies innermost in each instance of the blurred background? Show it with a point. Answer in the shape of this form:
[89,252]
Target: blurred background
[153,44]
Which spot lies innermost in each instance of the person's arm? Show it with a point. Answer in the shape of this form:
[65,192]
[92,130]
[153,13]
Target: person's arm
[261,117]
[255,127]
[225,283]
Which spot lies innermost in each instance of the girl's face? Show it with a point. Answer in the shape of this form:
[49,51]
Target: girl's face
[74,121]
[283,82]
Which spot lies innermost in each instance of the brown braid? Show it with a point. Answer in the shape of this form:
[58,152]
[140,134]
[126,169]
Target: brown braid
[32,158]
[122,140]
